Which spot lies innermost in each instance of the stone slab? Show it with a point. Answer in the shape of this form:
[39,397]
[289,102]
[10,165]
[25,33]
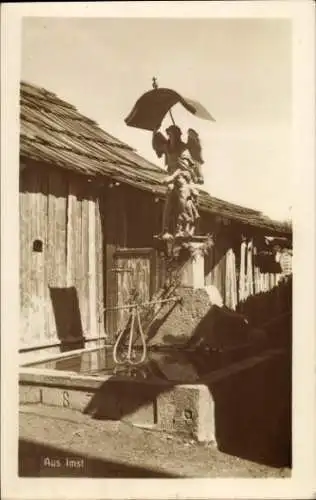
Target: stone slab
[65,398]
[29,394]
[173,409]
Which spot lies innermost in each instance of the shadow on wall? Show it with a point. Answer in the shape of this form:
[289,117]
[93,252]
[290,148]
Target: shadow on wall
[67,317]
[117,400]
[264,306]
[223,241]
[253,413]
[32,455]
[220,328]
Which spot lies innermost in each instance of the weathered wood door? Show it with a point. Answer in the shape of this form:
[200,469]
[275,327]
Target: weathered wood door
[134,272]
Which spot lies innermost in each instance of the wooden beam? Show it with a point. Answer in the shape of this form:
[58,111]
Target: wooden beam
[71,200]
[92,267]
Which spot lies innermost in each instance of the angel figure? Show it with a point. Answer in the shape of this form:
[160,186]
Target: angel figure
[186,199]
[181,194]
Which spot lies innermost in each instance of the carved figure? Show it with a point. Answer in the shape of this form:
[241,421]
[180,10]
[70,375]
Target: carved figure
[181,194]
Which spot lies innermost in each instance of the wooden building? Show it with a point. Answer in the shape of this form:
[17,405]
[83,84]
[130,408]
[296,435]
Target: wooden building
[89,207]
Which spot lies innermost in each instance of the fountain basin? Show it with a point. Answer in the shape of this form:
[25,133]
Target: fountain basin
[177,403]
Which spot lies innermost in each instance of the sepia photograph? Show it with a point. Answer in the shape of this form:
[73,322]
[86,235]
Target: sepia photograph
[153,311]
[155,261]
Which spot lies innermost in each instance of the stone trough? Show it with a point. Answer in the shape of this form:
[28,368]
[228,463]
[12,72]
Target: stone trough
[86,381]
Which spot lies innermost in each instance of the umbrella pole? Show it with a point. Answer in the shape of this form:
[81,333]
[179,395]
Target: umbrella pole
[172,119]
[155,86]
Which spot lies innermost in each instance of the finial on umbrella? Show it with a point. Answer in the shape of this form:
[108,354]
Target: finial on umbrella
[155,87]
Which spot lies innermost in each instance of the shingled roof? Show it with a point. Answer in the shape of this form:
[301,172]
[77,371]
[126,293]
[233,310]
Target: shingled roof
[53,131]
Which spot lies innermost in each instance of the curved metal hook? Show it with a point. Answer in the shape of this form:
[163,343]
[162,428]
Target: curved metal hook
[143,340]
[128,359]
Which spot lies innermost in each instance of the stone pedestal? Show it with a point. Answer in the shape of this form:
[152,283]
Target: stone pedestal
[192,273]
[176,323]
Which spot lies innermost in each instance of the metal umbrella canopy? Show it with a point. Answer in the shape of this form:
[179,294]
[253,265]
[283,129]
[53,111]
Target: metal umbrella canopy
[151,108]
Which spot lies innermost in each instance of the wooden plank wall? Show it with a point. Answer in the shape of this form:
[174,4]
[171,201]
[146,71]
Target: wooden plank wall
[33,272]
[215,265]
[115,228]
[217,270]
[100,264]
[260,281]
[84,263]
[55,261]
[143,218]
[65,280]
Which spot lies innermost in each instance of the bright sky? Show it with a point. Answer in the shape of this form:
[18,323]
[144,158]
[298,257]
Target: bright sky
[239,69]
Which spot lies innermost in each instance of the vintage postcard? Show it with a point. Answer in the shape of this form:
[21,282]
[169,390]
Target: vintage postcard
[158,250]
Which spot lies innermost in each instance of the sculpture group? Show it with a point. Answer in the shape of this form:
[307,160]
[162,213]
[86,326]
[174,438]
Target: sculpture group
[183,161]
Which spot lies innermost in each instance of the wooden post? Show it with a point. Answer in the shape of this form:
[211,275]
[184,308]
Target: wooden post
[231,283]
[92,269]
[70,264]
[249,269]
[257,286]
[242,272]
